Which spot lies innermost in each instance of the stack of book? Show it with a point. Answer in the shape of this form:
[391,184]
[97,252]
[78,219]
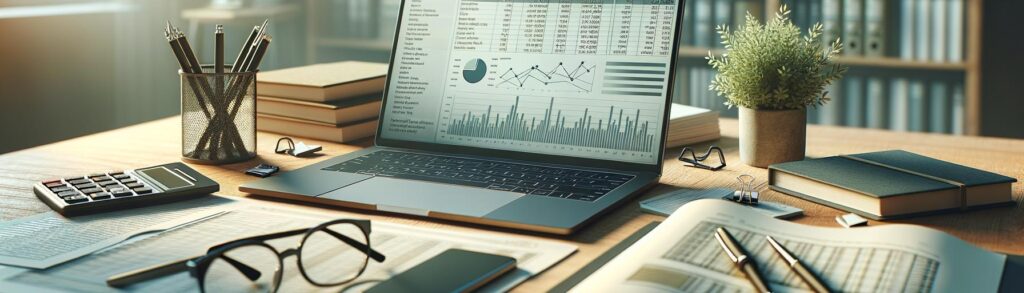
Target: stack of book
[689,125]
[336,102]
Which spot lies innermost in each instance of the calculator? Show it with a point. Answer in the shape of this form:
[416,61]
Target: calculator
[119,190]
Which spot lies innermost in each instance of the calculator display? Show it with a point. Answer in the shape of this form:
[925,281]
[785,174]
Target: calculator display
[165,177]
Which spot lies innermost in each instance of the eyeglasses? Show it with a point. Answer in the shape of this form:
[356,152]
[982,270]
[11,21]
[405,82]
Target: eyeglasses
[330,254]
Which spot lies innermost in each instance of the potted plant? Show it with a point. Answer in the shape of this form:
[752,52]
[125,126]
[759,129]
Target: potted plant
[773,74]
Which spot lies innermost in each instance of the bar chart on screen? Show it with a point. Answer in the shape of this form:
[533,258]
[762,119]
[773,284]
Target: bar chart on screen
[591,124]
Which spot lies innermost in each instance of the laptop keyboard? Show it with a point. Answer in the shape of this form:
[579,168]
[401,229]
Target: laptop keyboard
[529,179]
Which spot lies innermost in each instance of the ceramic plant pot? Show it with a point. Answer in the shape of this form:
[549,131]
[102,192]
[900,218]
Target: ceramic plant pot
[772,136]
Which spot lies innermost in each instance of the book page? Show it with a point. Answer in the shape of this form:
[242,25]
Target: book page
[682,255]
[404,246]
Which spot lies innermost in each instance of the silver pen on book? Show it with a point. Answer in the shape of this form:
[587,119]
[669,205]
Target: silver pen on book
[798,267]
[739,257]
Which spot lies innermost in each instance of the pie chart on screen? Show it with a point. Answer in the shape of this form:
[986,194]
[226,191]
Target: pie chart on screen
[474,71]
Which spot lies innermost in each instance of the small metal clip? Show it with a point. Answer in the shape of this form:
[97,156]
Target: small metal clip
[698,161]
[746,194]
[296,149]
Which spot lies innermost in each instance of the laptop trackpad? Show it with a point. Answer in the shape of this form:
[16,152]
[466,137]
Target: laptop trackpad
[417,197]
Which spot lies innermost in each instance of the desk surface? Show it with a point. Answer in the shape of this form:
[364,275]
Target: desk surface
[1000,229]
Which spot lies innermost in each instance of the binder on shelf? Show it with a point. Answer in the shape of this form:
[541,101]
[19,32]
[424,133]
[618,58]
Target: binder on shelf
[908,48]
[829,114]
[695,86]
[799,14]
[916,106]
[813,13]
[704,31]
[899,100]
[739,12]
[853,28]
[922,29]
[723,14]
[682,86]
[957,118]
[389,19]
[755,7]
[874,28]
[938,104]
[831,13]
[853,95]
[689,24]
[956,30]
[939,30]
[875,107]
[742,7]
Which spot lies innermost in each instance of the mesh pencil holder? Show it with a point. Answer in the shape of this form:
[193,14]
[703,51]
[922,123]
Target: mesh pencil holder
[218,116]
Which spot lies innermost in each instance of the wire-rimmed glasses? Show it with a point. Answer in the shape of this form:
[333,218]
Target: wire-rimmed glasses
[330,254]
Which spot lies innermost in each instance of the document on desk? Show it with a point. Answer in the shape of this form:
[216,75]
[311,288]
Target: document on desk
[48,239]
[403,245]
[682,255]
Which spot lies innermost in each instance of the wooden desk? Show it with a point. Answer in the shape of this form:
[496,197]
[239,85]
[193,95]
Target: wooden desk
[1000,229]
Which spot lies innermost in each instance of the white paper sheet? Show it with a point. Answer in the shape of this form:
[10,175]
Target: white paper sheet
[405,246]
[48,239]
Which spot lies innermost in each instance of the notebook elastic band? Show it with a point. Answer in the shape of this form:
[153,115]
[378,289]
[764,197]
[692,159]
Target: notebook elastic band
[963,187]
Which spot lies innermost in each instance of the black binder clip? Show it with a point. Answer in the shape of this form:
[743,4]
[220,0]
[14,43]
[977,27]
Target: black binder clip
[296,149]
[698,161]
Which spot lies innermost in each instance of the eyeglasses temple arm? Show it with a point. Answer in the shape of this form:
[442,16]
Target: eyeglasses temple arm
[148,273]
[249,272]
[375,255]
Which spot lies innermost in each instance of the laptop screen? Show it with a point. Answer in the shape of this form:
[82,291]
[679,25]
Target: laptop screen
[578,78]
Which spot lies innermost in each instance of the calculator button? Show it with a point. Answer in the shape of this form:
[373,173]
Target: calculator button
[74,178]
[101,195]
[79,181]
[68,193]
[106,183]
[101,178]
[121,192]
[85,186]
[91,190]
[128,180]
[54,184]
[62,189]
[114,186]
[134,185]
[120,176]
[76,199]
[142,190]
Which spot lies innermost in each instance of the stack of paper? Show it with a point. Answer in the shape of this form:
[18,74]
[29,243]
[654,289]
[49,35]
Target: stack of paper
[404,246]
[689,125]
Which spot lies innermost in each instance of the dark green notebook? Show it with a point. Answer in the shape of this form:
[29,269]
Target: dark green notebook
[890,184]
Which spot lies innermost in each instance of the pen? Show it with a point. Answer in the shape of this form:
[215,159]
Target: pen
[253,65]
[261,49]
[219,39]
[253,45]
[798,267]
[237,66]
[739,257]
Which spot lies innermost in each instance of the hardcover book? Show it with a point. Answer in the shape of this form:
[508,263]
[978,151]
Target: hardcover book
[890,184]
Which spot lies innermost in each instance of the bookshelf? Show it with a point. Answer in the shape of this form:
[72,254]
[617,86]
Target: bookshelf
[964,73]
[967,71]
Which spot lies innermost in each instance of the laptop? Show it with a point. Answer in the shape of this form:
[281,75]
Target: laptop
[519,114]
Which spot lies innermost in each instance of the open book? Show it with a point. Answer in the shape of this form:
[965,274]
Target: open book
[682,255]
